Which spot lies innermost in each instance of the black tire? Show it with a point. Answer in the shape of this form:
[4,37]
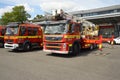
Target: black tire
[1,44]
[14,50]
[95,46]
[75,49]
[27,47]
[114,43]
[91,47]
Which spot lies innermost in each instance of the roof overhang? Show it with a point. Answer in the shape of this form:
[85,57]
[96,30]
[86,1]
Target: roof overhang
[106,18]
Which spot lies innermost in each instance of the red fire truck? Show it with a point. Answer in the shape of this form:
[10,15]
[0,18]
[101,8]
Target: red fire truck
[65,36]
[107,31]
[2,32]
[69,36]
[23,36]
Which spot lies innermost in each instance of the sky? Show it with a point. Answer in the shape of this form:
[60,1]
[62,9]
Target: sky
[34,7]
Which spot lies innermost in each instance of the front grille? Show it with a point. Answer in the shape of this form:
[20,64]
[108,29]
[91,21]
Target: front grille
[53,38]
[53,44]
[53,49]
[9,41]
[8,46]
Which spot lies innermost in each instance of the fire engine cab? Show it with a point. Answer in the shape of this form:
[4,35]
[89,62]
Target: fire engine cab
[2,32]
[23,36]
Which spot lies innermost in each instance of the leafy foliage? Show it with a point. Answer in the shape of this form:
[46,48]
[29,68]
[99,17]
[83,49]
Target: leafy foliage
[18,14]
[38,17]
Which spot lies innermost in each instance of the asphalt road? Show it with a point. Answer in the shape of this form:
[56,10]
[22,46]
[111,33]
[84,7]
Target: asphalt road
[38,65]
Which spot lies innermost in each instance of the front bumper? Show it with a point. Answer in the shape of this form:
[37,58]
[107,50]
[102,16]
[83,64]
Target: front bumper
[62,48]
[11,46]
[54,51]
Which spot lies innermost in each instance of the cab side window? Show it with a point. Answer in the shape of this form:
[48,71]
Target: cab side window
[30,31]
[35,31]
[77,28]
[70,28]
[2,32]
[22,30]
[73,28]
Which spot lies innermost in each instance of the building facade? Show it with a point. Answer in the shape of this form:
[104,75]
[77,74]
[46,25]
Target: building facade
[105,16]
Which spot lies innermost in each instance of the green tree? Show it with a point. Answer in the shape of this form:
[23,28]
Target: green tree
[18,14]
[7,17]
[38,17]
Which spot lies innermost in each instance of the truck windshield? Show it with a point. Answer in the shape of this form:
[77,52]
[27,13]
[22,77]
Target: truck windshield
[12,30]
[56,29]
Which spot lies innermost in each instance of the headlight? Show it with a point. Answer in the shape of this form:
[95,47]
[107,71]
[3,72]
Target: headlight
[64,45]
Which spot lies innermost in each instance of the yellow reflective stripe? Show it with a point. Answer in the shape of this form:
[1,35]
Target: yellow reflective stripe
[2,36]
[21,36]
[34,36]
[5,37]
[39,36]
[53,47]
[29,36]
[54,41]
[15,37]
[72,36]
[10,37]
[70,45]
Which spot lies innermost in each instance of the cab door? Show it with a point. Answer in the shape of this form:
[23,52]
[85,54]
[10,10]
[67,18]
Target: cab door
[34,36]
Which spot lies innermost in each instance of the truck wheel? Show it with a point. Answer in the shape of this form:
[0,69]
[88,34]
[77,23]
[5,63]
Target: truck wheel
[114,42]
[91,47]
[1,44]
[27,47]
[15,50]
[76,49]
[95,46]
